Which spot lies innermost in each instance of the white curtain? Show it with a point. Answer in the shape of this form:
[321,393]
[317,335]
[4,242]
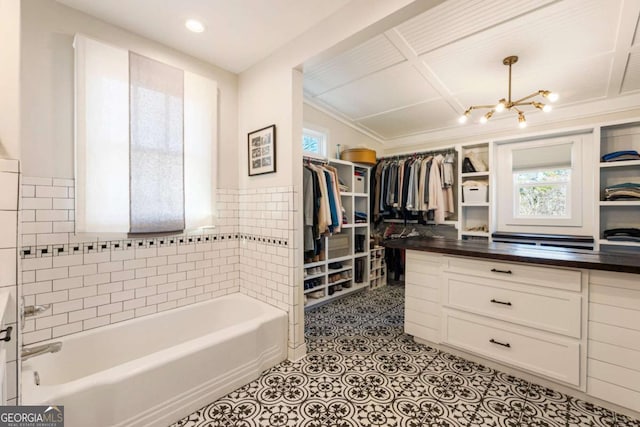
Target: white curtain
[137,178]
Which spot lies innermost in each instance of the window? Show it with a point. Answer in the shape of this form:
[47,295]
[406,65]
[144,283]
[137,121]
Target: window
[540,187]
[145,143]
[314,142]
[542,193]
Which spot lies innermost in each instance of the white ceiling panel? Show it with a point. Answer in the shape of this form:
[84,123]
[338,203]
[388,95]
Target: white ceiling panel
[636,39]
[631,80]
[456,19]
[411,120]
[374,55]
[559,34]
[389,89]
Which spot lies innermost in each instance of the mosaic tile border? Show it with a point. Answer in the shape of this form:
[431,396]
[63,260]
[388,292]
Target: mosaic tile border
[128,244]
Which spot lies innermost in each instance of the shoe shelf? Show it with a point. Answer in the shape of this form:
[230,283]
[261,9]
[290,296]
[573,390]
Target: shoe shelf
[377,268]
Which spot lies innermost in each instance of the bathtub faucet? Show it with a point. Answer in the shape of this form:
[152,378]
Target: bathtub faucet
[38,350]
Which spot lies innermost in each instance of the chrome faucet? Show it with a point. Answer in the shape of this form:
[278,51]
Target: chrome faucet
[38,350]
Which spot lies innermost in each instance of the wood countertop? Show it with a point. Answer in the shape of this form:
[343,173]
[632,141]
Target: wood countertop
[559,257]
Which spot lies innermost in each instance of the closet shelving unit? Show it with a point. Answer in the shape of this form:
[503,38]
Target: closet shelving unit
[474,214]
[377,268]
[343,248]
[619,213]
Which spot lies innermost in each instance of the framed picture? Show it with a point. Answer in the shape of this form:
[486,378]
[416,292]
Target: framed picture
[262,151]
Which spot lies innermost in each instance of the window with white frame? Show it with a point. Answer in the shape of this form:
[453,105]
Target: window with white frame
[145,143]
[314,142]
[541,187]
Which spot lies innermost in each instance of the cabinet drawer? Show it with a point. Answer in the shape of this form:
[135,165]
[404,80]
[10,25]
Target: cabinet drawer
[542,353]
[422,262]
[542,308]
[557,278]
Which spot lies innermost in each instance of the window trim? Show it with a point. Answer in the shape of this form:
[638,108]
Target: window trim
[581,208]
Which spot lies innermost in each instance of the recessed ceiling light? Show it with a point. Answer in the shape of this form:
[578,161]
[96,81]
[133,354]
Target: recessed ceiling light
[194,25]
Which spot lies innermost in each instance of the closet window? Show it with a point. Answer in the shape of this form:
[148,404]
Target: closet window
[314,142]
[145,143]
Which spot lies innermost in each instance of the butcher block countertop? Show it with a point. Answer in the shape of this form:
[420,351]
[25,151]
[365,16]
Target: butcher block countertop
[559,257]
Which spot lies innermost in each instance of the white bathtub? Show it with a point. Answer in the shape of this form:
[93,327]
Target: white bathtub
[154,370]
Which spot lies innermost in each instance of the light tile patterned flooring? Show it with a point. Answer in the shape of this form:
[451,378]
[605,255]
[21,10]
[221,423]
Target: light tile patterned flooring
[362,370]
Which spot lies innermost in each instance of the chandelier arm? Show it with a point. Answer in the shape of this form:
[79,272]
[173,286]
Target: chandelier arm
[477,107]
[520,104]
[525,98]
[518,110]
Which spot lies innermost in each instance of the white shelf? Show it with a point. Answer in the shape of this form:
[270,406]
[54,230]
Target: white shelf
[339,270]
[475,233]
[620,203]
[360,254]
[481,204]
[337,282]
[340,259]
[618,243]
[360,194]
[346,193]
[347,225]
[474,174]
[315,276]
[311,302]
[315,288]
[621,164]
[315,264]
[361,224]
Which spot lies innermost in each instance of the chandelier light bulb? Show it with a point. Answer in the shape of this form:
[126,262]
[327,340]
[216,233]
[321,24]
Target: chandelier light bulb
[522,121]
[553,97]
[462,119]
[547,108]
[483,120]
[501,105]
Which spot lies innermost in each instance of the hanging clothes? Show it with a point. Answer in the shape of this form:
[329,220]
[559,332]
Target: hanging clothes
[322,205]
[419,186]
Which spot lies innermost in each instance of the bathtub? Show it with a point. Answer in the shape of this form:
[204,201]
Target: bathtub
[154,370]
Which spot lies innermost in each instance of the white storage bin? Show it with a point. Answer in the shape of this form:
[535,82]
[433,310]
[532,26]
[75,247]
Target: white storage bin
[475,194]
[358,184]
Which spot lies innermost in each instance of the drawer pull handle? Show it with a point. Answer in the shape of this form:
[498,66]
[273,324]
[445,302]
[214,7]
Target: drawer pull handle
[492,341]
[495,301]
[495,270]
[7,334]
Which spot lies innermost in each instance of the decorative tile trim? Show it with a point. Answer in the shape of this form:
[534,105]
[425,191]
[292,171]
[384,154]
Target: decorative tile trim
[128,244]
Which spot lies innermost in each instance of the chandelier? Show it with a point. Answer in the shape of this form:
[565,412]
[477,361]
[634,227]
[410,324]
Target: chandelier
[508,104]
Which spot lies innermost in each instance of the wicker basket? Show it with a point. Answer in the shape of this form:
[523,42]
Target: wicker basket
[359,155]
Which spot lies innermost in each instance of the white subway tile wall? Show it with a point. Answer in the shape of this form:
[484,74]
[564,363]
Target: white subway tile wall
[9,183]
[267,264]
[94,282]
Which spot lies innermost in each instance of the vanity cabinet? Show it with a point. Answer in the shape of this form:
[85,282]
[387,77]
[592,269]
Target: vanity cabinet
[529,317]
[613,370]
[526,316]
[423,282]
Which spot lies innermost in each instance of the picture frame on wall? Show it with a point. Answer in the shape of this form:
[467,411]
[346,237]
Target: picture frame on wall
[262,151]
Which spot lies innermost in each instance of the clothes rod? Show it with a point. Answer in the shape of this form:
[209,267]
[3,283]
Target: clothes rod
[419,153]
[318,160]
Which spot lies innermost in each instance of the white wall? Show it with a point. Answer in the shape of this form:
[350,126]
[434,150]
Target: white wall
[10,79]
[47,87]
[339,133]
[271,93]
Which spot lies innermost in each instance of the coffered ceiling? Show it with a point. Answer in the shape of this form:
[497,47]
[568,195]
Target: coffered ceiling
[418,78]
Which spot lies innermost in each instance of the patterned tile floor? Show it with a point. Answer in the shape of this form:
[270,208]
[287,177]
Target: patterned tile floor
[362,370]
